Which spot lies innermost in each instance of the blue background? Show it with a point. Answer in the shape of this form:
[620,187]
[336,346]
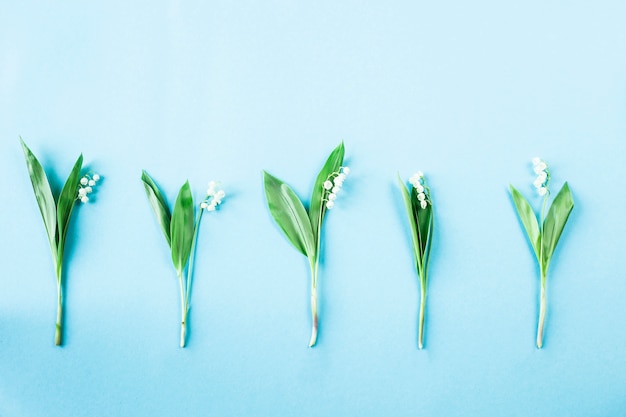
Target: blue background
[468,92]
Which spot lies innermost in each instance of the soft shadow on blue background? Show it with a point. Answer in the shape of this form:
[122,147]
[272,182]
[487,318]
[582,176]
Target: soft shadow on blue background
[467,92]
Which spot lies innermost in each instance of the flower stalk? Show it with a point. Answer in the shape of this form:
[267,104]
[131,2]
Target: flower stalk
[181,233]
[303,227]
[418,204]
[56,211]
[545,233]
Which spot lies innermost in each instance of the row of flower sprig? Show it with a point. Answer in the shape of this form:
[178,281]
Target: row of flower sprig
[180,226]
[180,230]
[301,225]
[56,211]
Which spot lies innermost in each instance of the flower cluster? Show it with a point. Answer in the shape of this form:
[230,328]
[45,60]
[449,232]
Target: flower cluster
[214,196]
[543,176]
[333,185]
[418,182]
[85,186]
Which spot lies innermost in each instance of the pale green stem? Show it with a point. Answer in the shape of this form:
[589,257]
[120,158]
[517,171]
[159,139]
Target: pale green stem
[420,343]
[543,272]
[314,272]
[183,323]
[314,317]
[58,334]
[542,311]
[192,258]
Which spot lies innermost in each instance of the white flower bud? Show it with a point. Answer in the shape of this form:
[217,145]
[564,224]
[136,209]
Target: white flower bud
[211,207]
[84,181]
[538,183]
[542,191]
[332,197]
[92,183]
[203,205]
[541,166]
[84,199]
[335,189]
[330,204]
[420,174]
[423,204]
[421,196]
[220,194]
[419,187]
[536,160]
[88,189]
[328,185]
[345,170]
[96,177]
[81,192]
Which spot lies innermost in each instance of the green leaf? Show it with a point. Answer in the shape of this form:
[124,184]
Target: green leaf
[406,197]
[555,222]
[318,208]
[429,241]
[43,194]
[65,205]
[424,222]
[182,228]
[528,218]
[158,204]
[290,215]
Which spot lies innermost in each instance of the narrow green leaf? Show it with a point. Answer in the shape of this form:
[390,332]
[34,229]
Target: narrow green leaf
[528,218]
[65,205]
[318,208]
[555,222]
[429,241]
[43,194]
[158,204]
[406,197]
[290,215]
[182,228]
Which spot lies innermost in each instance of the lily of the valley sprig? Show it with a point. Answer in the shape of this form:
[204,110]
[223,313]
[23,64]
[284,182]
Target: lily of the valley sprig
[419,208]
[545,234]
[56,212]
[181,233]
[303,227]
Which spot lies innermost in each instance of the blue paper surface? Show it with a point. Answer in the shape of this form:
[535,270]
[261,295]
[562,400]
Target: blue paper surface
[467,92]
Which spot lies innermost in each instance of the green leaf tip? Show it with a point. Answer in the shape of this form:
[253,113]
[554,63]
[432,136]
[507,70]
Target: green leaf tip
[159,205]
[529,220]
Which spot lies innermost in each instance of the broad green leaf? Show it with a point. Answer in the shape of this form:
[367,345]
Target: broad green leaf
[555,222]
[65,205]
[406,197]
[158,204]
[318,208]
[290,215]
[423,218]
[528,218]
[182,228]
[43,194]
